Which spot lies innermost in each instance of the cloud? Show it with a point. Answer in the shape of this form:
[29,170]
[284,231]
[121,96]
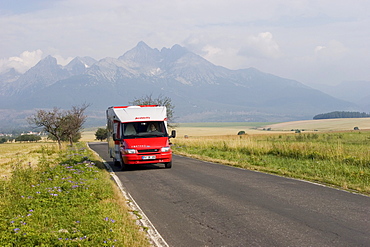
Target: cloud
[22,63]
[333,50]
[261,46]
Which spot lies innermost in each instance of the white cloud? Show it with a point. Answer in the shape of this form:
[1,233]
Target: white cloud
[61,60]
[261,46]
[211,51]
[333,50]
[22,63]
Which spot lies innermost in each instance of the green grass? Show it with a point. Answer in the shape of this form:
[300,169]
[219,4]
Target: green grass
[69,201]
[337,159]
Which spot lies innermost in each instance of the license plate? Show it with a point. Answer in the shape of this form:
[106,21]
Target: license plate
[152,157]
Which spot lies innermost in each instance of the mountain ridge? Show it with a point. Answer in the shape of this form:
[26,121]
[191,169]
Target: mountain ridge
[200,90]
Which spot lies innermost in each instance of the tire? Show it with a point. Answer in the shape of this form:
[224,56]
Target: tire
[168,165]
[123,165]
[116,162]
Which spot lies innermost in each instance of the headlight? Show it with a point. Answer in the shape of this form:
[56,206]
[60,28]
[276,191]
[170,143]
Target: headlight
[165,149]
[130,151]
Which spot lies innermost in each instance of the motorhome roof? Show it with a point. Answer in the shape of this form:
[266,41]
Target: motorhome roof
[134,106]
[138,113]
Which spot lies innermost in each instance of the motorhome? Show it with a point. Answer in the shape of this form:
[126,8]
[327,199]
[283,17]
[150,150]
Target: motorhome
[138,135]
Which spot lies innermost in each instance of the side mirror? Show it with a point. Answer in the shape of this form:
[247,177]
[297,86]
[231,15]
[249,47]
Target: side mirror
[115,137]
[173,134]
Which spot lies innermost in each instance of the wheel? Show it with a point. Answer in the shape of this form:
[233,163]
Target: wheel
[123,165]
[116,162]
[168,165]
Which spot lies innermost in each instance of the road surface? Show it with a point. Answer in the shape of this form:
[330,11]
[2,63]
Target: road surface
[200,203]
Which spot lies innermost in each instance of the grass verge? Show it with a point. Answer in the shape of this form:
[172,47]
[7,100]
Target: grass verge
[67,201]
[337,159]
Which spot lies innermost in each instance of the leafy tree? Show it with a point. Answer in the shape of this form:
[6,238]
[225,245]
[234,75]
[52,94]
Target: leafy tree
[242,132]
[161,100]
[28,138]
[101,134]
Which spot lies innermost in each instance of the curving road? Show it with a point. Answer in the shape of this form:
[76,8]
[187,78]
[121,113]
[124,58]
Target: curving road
[199,203]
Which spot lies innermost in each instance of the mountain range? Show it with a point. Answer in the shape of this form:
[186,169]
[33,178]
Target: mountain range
[200,90]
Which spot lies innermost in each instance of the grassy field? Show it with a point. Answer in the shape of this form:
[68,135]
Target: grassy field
[23,155]
[61,198]
[337,159]
[327,151]
[323,125]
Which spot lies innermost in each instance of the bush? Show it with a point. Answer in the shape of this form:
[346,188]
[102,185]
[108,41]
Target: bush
[242,132]
[28,138]
[101,134]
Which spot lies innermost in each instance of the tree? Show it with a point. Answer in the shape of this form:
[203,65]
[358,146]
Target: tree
[28,138]
[101,134]
[3,139]
[73,122]
[161,100]
[51,121]
[61,124]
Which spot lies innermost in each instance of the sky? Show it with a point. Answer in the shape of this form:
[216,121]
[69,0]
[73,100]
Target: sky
[311,41]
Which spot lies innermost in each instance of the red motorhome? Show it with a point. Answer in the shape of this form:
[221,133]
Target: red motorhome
[138,135]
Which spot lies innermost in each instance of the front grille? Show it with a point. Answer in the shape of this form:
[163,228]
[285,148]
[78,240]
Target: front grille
[148,151]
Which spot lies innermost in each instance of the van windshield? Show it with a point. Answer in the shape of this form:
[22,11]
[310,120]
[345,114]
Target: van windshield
[144,129]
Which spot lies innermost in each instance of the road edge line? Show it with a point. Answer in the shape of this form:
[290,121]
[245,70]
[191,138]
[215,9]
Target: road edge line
[154,236]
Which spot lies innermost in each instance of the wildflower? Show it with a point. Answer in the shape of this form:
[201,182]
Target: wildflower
[16,229]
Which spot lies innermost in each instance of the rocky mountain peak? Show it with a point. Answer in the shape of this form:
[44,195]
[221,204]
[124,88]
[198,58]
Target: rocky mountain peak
[79,65]
[141,55]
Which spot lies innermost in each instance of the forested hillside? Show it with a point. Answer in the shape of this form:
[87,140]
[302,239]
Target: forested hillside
[341,114]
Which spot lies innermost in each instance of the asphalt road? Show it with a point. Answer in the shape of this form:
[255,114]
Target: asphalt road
[198,203]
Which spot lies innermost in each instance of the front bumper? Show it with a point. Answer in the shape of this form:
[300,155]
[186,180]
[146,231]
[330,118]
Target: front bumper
[148,158]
